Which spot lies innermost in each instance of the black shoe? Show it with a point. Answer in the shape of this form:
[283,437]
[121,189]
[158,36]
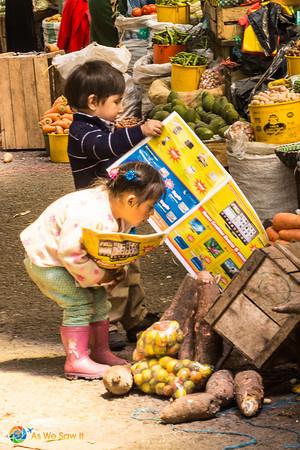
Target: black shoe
[147,321]
[116,340]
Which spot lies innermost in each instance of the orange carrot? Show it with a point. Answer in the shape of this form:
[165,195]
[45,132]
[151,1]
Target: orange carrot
[53,116]
[272,234]
[67,116]
[59,130]
[48,129]
[285,221]
[292,234]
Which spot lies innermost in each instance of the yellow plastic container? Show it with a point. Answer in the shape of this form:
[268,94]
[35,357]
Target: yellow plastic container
[277,123]
[175,14]
[58,144]
[293,65]
[186,78]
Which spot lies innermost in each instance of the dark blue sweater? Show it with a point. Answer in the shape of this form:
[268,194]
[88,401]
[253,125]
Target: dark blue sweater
[93,147]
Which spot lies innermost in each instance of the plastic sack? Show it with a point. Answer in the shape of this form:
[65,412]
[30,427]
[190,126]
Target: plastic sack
[117,57]
[237,136]
[265,181]
[144,72]
[162,338]
[170,377]
[131,101]
[133,24]
[50,31]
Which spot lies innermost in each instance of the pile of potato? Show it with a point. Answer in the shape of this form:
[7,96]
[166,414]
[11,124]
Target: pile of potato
[276,94]
[58,118]
[170,377]
[211,79]
[294,49]
[162,338]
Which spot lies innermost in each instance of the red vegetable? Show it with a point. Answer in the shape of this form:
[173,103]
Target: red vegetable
[136,12]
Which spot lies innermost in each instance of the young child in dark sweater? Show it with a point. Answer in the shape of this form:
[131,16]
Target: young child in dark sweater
[94,91]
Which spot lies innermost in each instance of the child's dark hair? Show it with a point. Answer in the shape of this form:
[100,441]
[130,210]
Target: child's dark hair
[136,177]
[94,77]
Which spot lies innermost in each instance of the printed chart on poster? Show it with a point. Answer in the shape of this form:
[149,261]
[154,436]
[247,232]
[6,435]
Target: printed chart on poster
[209,222]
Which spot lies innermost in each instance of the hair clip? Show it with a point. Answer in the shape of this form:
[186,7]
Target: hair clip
[131,175]
[113,173]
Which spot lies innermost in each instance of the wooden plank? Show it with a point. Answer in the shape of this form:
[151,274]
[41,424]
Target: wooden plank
[270,286]
[219,150]
[6,112]
[35,135]
[247,327]
[236,285]
[3,41]
[18,100]
[42,83]
[228,31]
[231,14]
[291,251]
[276,341]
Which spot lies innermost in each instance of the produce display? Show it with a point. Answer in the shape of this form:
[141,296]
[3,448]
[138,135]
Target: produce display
[294,49]
[211,78]
[144,11]
[162,338]
[58,118]
[171,36]
[211,116]
[128,122]
[188,59]
[170,377]
[285,228]
[276,94]
[172,2]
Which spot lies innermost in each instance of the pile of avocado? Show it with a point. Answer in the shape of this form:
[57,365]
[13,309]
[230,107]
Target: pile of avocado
[211,116]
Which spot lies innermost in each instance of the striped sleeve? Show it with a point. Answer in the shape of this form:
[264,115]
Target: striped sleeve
[103,144]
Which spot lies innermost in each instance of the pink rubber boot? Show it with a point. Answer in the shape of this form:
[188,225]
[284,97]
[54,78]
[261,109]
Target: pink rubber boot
[78,363]
[100,351]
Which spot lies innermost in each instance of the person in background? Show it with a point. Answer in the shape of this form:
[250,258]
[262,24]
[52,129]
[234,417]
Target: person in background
[94,91]
[102,14]
[74,31]
[61,268]
[19,24]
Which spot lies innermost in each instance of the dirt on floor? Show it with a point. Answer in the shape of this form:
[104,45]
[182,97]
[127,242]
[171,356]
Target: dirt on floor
[54,413]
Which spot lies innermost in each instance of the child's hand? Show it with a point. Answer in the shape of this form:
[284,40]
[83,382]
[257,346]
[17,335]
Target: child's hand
[152,128]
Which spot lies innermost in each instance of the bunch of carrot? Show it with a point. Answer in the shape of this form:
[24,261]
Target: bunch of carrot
[285,228]
[58,118]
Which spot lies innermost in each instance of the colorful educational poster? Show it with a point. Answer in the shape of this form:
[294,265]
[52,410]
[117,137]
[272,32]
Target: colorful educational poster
[209,222]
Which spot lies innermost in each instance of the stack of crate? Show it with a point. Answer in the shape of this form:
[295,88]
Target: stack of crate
[224,26]
[28,86]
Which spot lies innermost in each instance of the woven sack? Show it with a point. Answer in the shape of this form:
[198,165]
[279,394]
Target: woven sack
[268,185]
[50,32]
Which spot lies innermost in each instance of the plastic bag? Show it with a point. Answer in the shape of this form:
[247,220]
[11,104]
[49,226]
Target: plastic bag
[131,101]
[170,377]
[237,136]
[117,57]
[162,338]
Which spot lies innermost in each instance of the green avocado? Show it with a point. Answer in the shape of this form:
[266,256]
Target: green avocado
[190,115]
[216,124]
[155,110]
[180,109]
[208,102]
[205,134]
[160,115]
[172,96]
[191,125]
[168,107]
[222,130]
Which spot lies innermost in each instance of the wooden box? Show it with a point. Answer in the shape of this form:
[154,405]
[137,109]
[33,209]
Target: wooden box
[243,313]
[224,21]
[27,90]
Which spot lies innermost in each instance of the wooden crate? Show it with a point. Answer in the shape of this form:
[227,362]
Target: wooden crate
[26,91]
[243,313]
[224,21]
[219,150]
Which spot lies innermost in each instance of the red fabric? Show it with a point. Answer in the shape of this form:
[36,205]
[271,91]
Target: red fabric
[74,32]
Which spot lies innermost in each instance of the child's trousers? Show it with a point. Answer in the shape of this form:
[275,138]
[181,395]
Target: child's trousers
[81,306]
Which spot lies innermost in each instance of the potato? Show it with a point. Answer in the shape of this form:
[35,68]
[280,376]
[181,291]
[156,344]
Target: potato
[221,386]
[7,157]
[249,392]
[198,406]
[118,379]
